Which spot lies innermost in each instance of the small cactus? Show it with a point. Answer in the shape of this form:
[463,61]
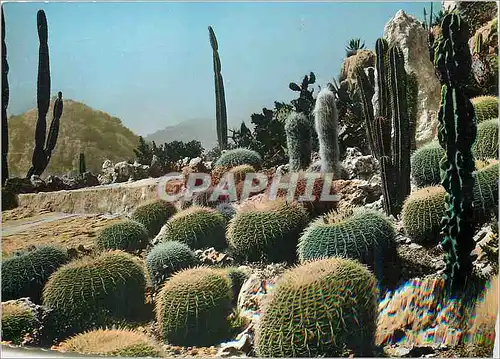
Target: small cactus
[485,107]
[127,235]
[486,145]
[299,141]
[154,215]
[425,165]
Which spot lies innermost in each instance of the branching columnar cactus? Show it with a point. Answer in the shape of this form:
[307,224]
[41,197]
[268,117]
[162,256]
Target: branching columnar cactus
[388,126]
[457,133]
[43,151]
[299,141]
[81,164]
[326,124]
[5,104]
[220,97]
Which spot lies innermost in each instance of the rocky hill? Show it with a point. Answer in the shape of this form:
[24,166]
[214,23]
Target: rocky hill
[83,129]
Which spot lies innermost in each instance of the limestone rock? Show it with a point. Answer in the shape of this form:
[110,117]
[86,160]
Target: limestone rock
[358,166]
[363,58]
[408,33]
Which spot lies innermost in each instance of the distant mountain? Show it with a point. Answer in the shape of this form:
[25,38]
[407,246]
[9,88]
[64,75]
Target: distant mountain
[83,129]
[203,130]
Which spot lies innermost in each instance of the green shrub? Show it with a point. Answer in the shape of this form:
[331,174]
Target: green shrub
[127,235]
[198,227]
[154,215]
[24,275]
[193,306]
[323,308]
[425,165]
[422,213]
[112,342]
[485,107]
[165,259]
[17,321]
[364,235]
[269,233]
[96,291]
[239,156]
[486,144]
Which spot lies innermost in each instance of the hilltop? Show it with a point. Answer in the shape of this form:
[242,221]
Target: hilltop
[83,129]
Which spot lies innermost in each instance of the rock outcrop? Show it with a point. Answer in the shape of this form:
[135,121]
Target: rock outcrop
[408,33]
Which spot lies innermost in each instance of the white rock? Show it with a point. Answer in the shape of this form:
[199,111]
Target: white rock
[408,33]
[194,161]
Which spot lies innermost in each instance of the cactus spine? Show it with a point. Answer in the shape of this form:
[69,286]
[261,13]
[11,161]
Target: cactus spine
[326,123]
[82,168]
[299,141]
[220,97]
[388,126]
[457,133]
[5,104]
[41,153]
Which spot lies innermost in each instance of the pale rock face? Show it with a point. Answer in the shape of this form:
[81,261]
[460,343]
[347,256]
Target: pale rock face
[448,5]
[408,33]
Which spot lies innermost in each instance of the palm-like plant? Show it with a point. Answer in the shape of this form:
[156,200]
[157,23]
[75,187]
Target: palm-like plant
[353,46]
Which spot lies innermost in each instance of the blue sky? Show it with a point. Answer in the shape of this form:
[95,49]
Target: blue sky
[150,64]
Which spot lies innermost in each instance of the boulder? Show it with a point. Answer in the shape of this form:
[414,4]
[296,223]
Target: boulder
[363,58]
[408,33]
[359,166]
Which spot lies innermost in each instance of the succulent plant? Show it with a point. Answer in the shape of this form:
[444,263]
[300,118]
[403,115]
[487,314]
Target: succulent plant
[227,210]
[198,227]
[323,308]
[367,236]
[112,342]
[17,321]
[167,258]
[126,235]
[154,215]
[422,213]
[299,141]
[24,275]
[96,291]
[486,145]
[239,156]
[269,233]
[425,165]
[238,277]
[193,306]
[354,46]
[485,191]
[485,108]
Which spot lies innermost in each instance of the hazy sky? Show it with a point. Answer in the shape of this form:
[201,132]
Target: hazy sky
[150,64]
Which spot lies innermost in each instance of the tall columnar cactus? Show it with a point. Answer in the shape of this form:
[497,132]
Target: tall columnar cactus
[388,125]
[326,123]
[81,164]
[299,141]
[43,151]
[457,133]
[220,97]
[5,104]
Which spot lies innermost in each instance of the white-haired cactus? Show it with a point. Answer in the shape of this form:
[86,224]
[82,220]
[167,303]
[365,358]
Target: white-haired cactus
[326,123]
[299,141]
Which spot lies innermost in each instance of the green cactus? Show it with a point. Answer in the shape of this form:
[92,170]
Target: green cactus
[24,275]
[127,235]
[485,107]
[154,215]
[167,258]
[422,213]
[238,277]
[388,126]
[112,342]
[227,210]
[323,308]
[412,100]
[220,97]
[239,156]
[5,104]
[486,145]
[457,133]
[193,306]
[198,227]
[299,141]
[17,321]
[267,234]
[81,164]
[364,235]
[485,191]
[425,164]
[96,291]
[43,151]
[326,124]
